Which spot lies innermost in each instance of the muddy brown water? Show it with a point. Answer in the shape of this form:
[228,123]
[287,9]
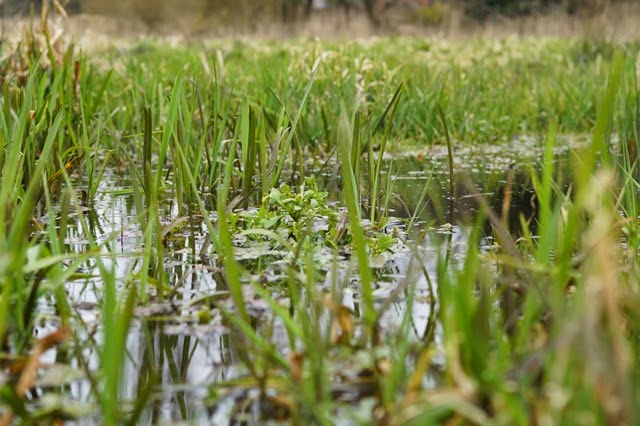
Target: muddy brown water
[184,345]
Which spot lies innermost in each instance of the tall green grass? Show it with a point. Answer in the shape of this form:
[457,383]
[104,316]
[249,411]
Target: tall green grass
[563,332]
[541,327]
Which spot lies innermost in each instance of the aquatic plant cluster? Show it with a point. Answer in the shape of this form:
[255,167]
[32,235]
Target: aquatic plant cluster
[239,198]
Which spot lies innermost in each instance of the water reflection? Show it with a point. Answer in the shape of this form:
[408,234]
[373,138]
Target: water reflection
[179,346]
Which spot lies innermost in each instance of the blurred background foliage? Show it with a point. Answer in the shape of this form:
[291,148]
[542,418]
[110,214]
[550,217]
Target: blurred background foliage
[427,12]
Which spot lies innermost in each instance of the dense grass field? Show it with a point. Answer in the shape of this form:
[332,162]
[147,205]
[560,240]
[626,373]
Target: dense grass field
[156,197]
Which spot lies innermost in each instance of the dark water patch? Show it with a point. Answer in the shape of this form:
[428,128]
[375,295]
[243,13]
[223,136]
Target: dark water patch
[483,171]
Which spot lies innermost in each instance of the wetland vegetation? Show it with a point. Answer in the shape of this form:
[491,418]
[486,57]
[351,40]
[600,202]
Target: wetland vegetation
[384,231]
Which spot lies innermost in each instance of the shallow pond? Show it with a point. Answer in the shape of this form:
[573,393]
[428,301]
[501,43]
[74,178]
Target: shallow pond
[182,344]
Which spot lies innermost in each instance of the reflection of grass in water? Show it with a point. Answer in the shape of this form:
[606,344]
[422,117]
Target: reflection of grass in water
[204,126]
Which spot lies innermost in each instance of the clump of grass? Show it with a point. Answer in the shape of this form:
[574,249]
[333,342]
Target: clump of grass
[565,291]
[42,43]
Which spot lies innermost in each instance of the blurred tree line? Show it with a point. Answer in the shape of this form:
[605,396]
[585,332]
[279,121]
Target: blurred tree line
[481,9]
[153,11]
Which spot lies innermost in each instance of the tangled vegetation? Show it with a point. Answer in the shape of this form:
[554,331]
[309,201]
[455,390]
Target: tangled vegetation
[131,181]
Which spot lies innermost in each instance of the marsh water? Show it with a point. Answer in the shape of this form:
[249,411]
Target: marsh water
[182,346]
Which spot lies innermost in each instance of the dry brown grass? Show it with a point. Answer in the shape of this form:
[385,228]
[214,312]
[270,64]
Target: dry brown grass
[39,40]
[105,22]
